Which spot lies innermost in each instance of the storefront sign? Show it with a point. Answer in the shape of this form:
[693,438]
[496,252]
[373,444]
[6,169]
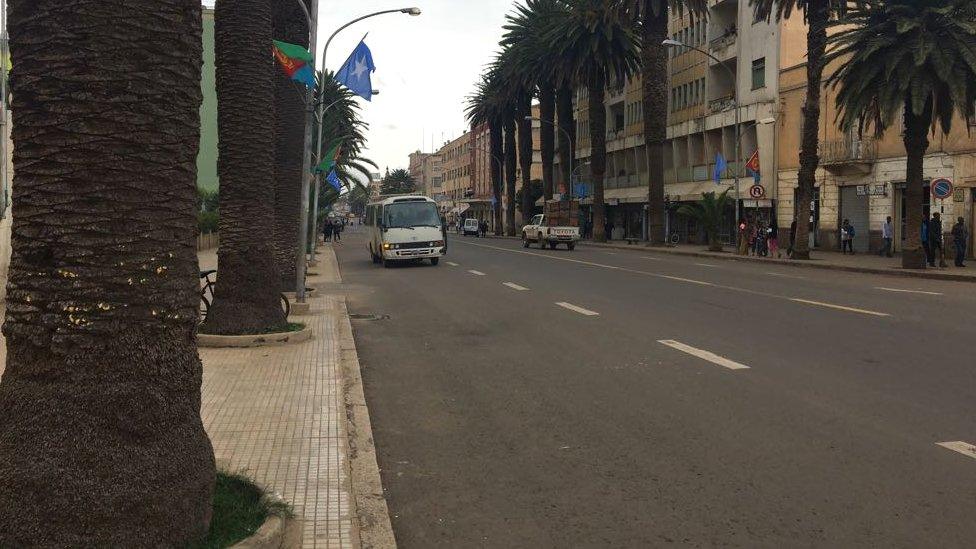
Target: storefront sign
[757,203]
[959,195]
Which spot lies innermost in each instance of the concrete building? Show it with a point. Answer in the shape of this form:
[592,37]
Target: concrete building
[428,171]
[207,156]
[456,171]
[375,184]
[861,178]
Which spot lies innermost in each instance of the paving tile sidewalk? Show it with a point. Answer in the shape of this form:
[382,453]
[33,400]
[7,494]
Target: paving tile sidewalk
[862,262]
[278,414]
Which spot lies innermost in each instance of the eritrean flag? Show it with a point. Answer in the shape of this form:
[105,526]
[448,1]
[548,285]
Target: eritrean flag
[753,167]
[330,158]
[296,62]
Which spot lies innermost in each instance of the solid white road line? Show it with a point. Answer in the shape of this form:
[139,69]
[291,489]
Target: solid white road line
[704,355]
[838,307]
[580,310]
[963,448]
[453,264]
[651,258]
[907,291]
[515,286]
[705,265]
[474,272]
[688,280]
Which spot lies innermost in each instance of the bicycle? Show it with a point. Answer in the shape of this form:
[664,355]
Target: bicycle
[207,295]
[673,240]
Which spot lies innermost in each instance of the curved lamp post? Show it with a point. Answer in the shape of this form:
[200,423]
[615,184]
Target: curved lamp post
[313,98]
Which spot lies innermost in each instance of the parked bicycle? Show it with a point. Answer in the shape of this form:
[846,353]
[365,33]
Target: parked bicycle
[209,284]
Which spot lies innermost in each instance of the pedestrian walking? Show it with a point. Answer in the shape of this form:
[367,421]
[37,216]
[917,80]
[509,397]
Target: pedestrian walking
[789,251]
[847,237]
[444,232]
[959,241]
[327,230]
[483,228]
[935,241]
[743,237]
[773,240]
[925,240]
[337,231]
[887,235]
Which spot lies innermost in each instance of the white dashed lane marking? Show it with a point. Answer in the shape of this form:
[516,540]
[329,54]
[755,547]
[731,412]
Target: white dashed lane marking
[706,265]
[453,264]
[781,275]
[577,309]
[899,290]
[474,272]
[704,355]
[515,286]
[963,448]
[838,307]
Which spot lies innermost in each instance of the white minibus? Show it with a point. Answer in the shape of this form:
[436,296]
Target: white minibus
[403,228]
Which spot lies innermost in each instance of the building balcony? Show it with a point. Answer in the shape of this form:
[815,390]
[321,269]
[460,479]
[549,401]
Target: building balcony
[848,156]
[721,104]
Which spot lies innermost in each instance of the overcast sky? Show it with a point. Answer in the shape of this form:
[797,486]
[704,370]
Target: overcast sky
[425,66]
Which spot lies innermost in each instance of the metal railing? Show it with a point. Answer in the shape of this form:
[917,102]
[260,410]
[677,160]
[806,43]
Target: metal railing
[842,151]
[724,41]
[721,104]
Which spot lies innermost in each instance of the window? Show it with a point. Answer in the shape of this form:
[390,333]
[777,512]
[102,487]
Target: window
[759,73]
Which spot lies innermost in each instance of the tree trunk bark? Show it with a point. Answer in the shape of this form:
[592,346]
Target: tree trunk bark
[818,16]
[916,143]
[511,178]
[525,157]
[497,151]
[246,299]
[547,136]
[598,153]
[654,64]
[564,109]
[102,443]
[290,25]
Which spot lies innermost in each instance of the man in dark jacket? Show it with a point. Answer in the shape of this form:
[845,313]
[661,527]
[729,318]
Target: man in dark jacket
[935,241]
[959,241]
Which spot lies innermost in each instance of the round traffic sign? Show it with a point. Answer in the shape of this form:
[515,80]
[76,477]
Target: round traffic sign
[757,191]
[942,188]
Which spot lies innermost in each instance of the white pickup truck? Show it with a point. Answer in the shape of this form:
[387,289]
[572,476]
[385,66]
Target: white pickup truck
[540,231]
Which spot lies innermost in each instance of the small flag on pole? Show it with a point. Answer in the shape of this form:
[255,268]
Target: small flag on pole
[753,166]
[355,73]
[329,159]
[720,166]
[333,179]
[295,61]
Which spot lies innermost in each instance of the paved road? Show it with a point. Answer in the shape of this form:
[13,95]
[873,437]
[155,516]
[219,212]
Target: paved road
[627,399]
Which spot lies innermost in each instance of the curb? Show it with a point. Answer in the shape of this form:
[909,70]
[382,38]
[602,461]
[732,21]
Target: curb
[948,277]
[257,340]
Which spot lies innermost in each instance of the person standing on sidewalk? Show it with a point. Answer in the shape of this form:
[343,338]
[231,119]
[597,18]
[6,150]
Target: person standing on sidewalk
[847,237]
[935,241]
[327,230]
[959,241]
[789,251]
[887,235]
[337,230]
[925,240]
[743,237]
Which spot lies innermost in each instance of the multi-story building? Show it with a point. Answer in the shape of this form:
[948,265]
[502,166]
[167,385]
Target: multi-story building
[456,171]
[375,185]
[427,170]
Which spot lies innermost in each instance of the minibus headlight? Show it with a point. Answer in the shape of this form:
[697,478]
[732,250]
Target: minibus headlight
[386,246]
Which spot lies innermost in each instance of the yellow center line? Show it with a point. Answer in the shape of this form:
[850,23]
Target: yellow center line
[685,280]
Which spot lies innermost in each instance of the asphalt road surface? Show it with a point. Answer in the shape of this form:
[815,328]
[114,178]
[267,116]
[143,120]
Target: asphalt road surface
[598,398]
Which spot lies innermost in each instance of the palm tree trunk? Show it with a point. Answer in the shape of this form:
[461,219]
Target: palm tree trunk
[290,25]
[525,157]
[547,136]
[818,16]
[916,143]
[497,151]
[102,443]
[598,152]
[511,164]
[246,299]
[654,66]
[564,110]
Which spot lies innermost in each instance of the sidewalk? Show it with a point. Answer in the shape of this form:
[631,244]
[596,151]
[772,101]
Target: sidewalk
[860,263]
[278,414]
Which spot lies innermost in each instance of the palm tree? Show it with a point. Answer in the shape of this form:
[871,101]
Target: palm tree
[653,15]
[102,443]
[598,41]
[246,300]
[817,14]
[910,58]
[485,107]
[710,212]
[516,105]
[290,25]
[536,66]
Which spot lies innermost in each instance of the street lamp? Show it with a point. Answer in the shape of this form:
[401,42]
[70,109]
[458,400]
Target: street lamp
[314,98]
[571,151]
[669,43]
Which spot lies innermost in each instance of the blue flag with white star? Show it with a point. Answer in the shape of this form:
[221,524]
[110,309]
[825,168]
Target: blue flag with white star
[333,179]
[356,73]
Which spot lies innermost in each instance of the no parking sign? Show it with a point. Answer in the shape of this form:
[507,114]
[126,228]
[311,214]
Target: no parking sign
[942,188]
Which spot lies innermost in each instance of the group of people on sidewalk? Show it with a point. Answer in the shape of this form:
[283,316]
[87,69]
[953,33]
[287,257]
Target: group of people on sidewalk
[760,238]
[332,230]
[933,244]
